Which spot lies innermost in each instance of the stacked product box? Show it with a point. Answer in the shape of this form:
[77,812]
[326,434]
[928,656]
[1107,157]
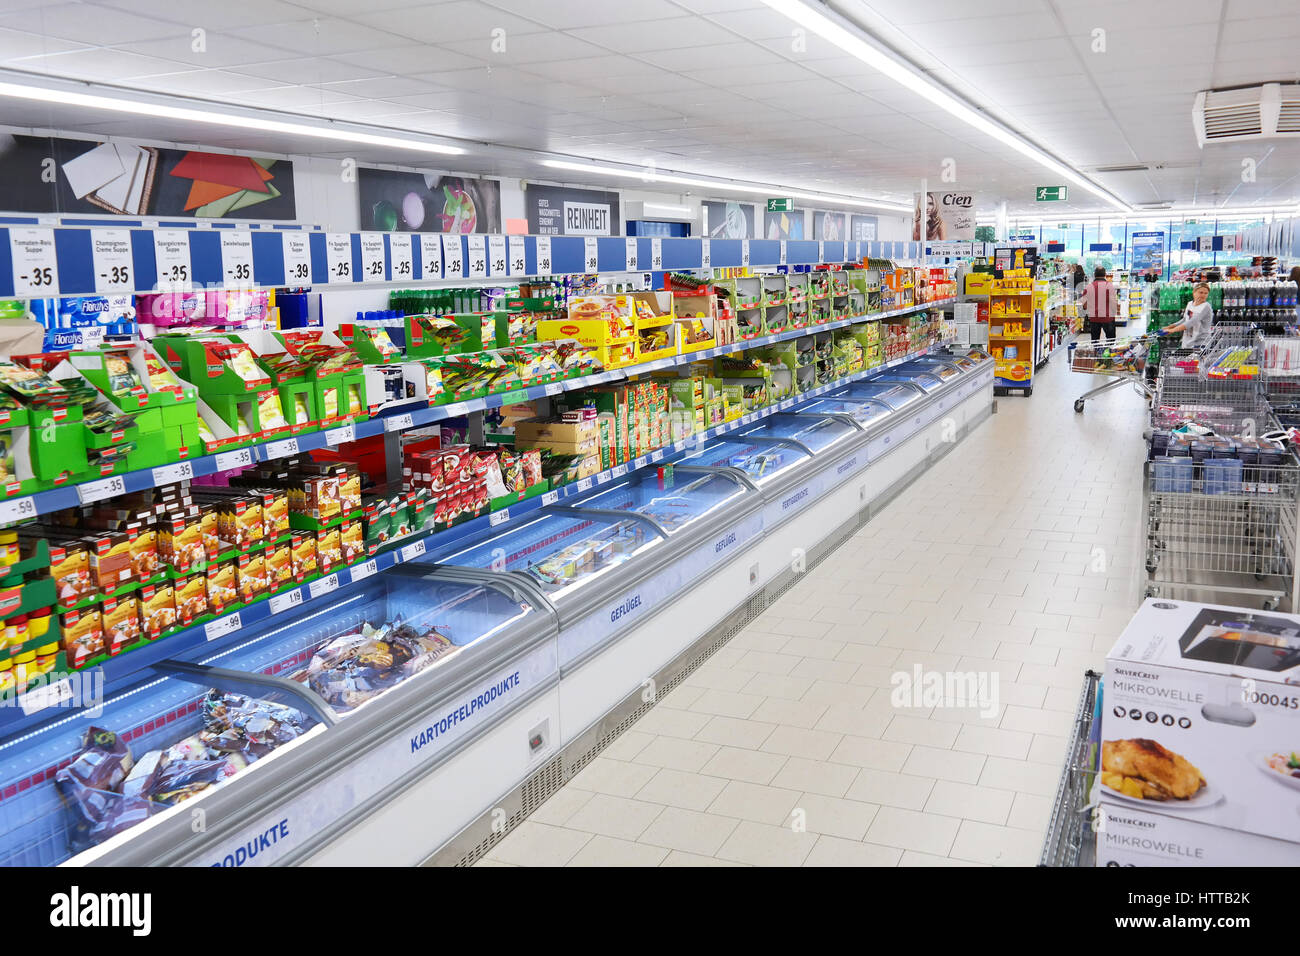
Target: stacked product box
[1200,731]
[633,418]
[462,482]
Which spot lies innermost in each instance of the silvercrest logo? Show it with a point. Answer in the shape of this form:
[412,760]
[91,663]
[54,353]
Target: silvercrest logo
[76,909]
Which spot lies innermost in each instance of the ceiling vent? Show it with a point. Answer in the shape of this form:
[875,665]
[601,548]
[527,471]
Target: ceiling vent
[1253,112]
[1131,168]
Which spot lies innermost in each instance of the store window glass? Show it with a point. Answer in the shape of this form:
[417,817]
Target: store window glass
[1231,258]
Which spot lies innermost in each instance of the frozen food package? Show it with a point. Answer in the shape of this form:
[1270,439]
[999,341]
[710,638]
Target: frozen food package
[355,667]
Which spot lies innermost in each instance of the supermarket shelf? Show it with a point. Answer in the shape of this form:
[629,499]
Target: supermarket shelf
[395,419]
[223,631]
[80,256]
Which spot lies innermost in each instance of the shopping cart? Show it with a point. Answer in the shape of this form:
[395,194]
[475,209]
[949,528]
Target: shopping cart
[1281,371]
[1123,362]
[1222,516]
[1070,838]
[1218,385]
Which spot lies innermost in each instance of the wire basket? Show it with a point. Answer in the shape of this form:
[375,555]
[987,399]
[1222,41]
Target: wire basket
[1069,840]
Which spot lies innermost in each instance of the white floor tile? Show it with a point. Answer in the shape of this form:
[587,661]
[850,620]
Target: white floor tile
[834,851]
[604,851]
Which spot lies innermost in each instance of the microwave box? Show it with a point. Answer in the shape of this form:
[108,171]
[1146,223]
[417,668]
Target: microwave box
[1215,687]
[1130,836]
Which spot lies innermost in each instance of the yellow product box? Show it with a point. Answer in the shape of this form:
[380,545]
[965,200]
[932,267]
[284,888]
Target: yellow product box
[279,565]
[275,513]
[191,595]
[329,549]
[352,540]
[121,622]
[157,608]
[304,555]
[223,586]
[251,574]
[83,635]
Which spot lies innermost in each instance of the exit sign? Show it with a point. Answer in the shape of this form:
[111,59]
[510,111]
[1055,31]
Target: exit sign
[1050,193]
[780,205]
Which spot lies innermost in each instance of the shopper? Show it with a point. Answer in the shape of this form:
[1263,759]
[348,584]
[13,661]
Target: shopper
[1077,278]
[1197,320]
[1100,305]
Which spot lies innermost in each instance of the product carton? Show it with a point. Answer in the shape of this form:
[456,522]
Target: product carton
[1130,836]
[1218,687]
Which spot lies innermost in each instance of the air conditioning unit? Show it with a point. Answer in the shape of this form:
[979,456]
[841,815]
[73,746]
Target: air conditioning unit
[1270,111]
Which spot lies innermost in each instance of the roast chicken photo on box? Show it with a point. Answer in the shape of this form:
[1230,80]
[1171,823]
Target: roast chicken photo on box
[1145,770]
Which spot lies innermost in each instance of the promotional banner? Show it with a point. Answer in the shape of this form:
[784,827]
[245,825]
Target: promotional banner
[943,216]
[829,226]
[785,225]
[561,211]
[40,174]
[393,201]
[864,228]
[729,220]
[1148,251]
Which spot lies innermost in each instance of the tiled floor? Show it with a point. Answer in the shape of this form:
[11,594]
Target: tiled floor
[1016,556]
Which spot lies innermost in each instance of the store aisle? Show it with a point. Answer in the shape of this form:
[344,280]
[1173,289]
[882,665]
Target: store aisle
[1015,558]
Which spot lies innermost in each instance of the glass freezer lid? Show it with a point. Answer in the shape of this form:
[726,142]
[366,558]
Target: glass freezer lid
[673,504]
[893,394]
[398,624]
[865,411]
[945,370]
[560,552]
[816,433]
[760,461]
[74,784]
[922,379]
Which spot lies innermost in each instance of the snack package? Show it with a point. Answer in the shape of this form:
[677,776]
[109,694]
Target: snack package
[353,668]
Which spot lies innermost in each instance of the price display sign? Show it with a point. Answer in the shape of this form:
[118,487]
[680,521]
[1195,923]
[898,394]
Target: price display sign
[35,269]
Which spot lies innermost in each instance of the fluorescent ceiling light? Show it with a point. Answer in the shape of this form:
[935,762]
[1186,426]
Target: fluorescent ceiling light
[904,74]
[651,176]
[155,109]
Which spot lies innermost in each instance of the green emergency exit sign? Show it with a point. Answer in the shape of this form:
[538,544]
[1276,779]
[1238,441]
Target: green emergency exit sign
[780,205]
[1050,194]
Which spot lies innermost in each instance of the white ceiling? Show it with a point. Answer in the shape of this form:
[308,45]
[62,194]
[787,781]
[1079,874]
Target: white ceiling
[702,86]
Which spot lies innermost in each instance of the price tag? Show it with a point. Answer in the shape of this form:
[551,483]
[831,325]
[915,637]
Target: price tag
[744,253]
[543,255]
[337,436]
[281,449]
[412,551]
[99,490]
[402,257]
[36,271]
[518,258]
[478,257]
[431,252]
[630,254]
[857,251]
[373,256]
[783,252]
[639,462]
[222,626]
[239,458]
[590,254]
[555,388]
[297,258]
[397,422]
[456,409]
[680,445]
[110,254]
[237,258]
[286,601]
[453,257]
[363,570]
[821,251]
[497,517]
[706,255]
[171,256]
[170,474]
[497,256]
[41,698]
[323,586]
[602,478]
[338,257]
[656,254]
[619,471]
[17,509]
[584,484]
[656,456]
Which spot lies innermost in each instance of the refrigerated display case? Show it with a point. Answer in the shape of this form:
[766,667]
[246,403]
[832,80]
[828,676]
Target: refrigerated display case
[816,434]
[761,460]
[945,370]
[865,411]
[924,379]
[122,786]
[672,502]
[897,396]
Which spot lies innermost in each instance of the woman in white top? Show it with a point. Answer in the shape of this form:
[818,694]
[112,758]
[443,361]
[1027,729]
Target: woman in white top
[1198,319]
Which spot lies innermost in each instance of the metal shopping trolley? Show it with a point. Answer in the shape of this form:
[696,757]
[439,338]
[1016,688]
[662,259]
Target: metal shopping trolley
[1070,838]
[1281,371]
[1123,362]
[1223,519]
